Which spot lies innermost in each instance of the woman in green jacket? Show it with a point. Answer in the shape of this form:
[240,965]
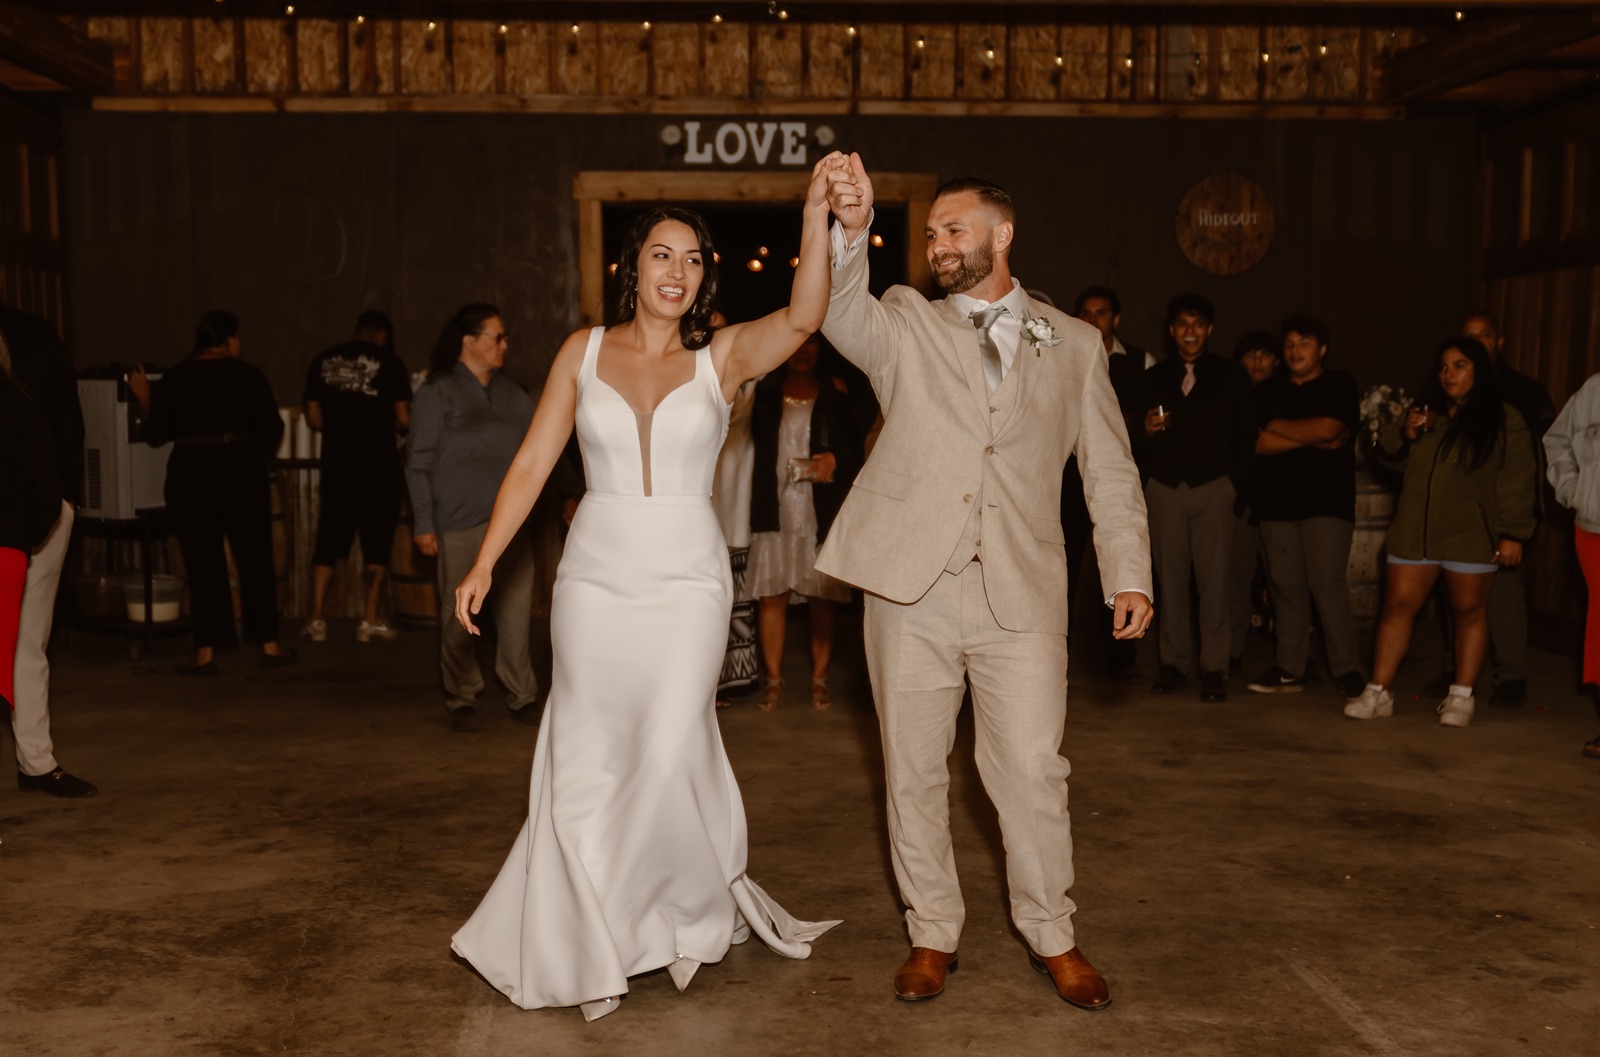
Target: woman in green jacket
[1465,509]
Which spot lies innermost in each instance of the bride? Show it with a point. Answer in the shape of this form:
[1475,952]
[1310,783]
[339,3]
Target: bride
[633,854]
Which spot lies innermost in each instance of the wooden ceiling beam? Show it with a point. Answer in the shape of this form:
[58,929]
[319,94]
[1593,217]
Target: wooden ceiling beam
[53,51]
[1482,49]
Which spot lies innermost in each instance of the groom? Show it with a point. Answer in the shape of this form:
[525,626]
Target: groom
[952,529]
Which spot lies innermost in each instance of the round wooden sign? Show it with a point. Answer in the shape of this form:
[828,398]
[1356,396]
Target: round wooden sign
[1225,224]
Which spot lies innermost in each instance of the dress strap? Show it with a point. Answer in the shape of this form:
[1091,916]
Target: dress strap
[591,354]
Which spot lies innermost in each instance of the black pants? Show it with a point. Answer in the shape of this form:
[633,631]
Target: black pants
[244,518]
[1078,528]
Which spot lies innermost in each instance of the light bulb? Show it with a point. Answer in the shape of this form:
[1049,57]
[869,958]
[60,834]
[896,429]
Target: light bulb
[877,240]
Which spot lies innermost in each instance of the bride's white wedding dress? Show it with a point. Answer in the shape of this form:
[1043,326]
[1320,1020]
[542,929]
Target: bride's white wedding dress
[633,854]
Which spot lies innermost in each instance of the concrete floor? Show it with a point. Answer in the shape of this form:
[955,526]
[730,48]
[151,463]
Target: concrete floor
[276,863]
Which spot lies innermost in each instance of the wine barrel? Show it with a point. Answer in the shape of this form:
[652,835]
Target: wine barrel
[413,577]
[1374,511]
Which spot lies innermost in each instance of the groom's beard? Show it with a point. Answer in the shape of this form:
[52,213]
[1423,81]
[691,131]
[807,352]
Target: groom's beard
[973,269]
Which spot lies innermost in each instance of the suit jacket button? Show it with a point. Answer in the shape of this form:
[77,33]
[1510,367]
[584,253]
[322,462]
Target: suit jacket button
[992,410]
[967,498]
[990,449]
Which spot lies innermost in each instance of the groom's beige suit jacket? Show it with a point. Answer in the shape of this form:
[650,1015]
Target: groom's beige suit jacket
[948,444]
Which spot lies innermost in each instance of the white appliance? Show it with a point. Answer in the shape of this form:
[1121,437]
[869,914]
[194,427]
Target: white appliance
[121,473]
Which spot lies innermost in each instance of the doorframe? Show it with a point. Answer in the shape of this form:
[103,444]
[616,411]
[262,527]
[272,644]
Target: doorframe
[592,190]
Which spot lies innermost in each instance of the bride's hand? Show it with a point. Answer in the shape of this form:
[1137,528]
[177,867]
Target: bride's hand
[469,598]
[817,195]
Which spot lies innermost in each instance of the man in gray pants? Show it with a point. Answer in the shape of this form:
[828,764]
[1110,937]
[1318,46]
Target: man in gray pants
[1198,439]
[1306,506]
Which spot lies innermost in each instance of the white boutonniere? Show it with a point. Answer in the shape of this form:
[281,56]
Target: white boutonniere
[1039,333]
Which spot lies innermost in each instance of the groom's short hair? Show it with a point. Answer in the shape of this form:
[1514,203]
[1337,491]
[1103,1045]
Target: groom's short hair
[991,194]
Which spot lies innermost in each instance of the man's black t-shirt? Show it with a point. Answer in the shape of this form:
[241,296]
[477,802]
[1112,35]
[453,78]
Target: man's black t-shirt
[357,384]
[1308,482]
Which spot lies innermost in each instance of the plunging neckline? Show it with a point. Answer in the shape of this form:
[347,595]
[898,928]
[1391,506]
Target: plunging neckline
[645,414]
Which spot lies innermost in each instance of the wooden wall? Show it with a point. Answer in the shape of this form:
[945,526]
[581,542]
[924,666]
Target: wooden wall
[1147,67]
[32,248]
[1540,182]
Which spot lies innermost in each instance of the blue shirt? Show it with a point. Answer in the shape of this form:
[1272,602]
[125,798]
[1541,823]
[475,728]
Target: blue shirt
[463,437]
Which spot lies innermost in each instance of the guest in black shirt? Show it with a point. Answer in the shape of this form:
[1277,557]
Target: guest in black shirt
[1101,308]
[1250,601]
[1199,442]
[41,367]
[221,416]
[359,396]
[1305,503]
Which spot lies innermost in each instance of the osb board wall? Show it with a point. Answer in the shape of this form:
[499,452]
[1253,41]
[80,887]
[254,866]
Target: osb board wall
[989,66]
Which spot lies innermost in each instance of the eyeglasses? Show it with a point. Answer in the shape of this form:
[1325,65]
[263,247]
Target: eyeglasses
[501,338]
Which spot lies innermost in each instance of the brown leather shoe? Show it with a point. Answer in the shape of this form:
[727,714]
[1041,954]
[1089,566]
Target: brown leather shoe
[922,976]
[1077,982]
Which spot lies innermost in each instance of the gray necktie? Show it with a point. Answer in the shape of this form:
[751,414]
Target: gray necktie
[983,319]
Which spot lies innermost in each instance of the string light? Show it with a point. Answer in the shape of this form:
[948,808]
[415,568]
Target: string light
[877,240]
[1127,60]
[783,16]
[988,53]
[922,42]
[1460,15]
[613,269]
[504,29]
[574,29]
[794,262]
[1266,56]
[645,24]
[850,30]
[1061,60]
[289,11]
[716,18]
[361,20]
[1322,49]
[754,264]
[431,26]
[762,251]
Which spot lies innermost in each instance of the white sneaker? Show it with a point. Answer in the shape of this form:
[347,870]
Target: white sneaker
[1456,709]
[1374,703]
[367,632]
[315,630]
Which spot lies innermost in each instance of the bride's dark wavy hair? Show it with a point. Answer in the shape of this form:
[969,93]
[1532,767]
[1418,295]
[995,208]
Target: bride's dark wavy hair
[694,327]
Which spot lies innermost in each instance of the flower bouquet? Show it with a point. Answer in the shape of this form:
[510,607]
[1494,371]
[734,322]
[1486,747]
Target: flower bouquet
[1380,406]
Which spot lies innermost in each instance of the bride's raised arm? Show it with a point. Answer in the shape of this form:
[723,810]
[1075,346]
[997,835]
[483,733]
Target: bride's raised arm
[749,350]
[541,446]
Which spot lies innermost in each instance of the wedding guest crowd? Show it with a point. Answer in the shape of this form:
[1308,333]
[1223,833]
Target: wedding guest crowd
[1466,507]
[806,456]
[38,371]
[220,416]
[1199,440]
[467,422]
[358,395]
[1572,446]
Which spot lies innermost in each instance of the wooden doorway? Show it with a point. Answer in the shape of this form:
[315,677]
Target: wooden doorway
[593,190]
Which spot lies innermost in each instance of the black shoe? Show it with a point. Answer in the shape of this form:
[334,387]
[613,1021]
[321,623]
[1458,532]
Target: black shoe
[1440,686]
[1277,680]
[56,783]
[1213,686]
[1351,685]
[463,719]
[528,713]
[281,659]
[1168,680]
[206,669]
[1510,694]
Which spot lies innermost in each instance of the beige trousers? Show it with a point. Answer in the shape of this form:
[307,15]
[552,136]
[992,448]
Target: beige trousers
[920,657]
[31,721]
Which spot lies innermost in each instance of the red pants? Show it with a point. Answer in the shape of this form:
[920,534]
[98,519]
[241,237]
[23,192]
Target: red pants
[1589,559]
[13,578]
